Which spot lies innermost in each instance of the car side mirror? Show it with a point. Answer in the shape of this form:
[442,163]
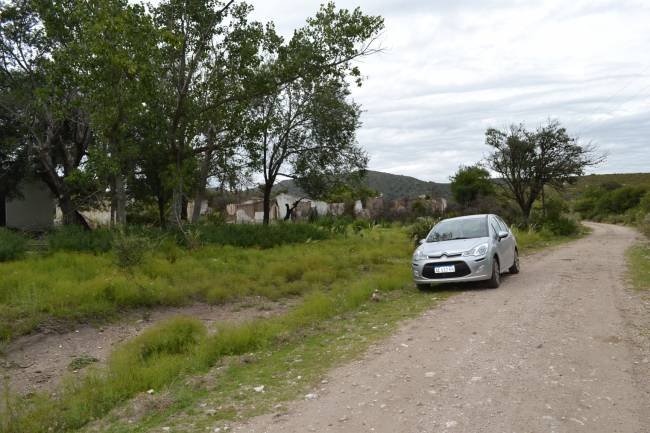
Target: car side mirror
[503,235]
[421,241]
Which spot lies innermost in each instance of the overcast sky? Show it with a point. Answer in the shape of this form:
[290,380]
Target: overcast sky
[451,69]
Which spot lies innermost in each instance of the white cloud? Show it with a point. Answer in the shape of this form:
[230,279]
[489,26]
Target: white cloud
[452,68]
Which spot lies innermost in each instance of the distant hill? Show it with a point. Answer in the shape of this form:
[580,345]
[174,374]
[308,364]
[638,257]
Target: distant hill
[392,186]
[624,179]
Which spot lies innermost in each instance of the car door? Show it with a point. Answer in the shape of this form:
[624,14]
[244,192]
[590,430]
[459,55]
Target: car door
[508,243]
[500,246]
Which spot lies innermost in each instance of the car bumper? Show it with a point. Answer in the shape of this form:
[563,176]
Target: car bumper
[472,269]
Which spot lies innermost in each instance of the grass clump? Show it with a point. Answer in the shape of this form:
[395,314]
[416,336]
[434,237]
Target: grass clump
[530,240]
[12,245]
[81,362]
[129,249]
[258,235]
[70,287]
[421,228]
[76,238]
[638,258]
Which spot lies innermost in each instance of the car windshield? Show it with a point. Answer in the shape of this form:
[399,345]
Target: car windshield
[465,228]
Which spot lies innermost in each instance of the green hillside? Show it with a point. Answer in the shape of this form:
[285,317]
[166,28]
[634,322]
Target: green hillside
[624,179]
[392,186]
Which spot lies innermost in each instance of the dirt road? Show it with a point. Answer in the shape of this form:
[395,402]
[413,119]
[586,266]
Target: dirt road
[562,347]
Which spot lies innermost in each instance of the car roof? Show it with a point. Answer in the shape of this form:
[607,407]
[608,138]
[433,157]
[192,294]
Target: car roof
[484,215]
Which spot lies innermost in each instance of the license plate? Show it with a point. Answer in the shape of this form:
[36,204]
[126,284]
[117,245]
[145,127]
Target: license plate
[445,269]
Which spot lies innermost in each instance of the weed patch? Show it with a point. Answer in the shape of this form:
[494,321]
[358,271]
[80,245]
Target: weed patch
[638,259]
[73,286]
[179,347]
[12,245]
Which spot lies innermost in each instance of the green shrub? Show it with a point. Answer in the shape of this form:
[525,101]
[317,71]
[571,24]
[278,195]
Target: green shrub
[644,225]
[216,218]
[360,225]
[129,249]
[337,225]
[258,235]
[619,200]
[421,228]
[12,245]
[599,203]
[562,226]
[171,337]
[76,238]
[170,250]
[644,203]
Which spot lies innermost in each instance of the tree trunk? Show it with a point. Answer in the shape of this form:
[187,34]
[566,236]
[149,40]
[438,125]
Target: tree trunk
[120,200]
[70,215]
[198,200]
[267,203]
[204,172]
[176,214]
[201,188]
[184,204]
[525,210]
[161,210]
[113,206]
[67,210]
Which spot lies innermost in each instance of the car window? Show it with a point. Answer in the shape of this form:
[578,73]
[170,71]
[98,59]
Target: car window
[495,226]
[502,226]
[465,228]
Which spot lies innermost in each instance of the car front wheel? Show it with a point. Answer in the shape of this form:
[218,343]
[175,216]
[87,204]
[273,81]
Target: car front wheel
[514,269]
[495,281]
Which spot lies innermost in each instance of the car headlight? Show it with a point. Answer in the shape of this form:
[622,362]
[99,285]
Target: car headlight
[419,255]
[477,251]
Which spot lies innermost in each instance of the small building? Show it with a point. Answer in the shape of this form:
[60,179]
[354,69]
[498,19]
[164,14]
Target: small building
[33,209]
[252,211]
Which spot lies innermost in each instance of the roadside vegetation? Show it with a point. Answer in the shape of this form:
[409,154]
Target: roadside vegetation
[72,286]
[290,371]
[615,203]
[639,266]
[333,277]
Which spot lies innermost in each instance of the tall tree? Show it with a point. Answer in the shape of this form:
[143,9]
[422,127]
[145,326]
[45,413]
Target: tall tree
[305,121]
[189,29]
[227,88]
[469,183]
[117,53]
[37,62]
[527,161]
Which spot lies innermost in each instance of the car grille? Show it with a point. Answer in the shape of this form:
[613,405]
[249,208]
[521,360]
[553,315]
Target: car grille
[428,270]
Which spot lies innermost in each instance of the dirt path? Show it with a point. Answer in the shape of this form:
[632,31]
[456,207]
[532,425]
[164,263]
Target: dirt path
[38,362]
[562,347]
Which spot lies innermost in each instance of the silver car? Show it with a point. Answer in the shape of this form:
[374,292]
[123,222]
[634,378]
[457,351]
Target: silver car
[468,248]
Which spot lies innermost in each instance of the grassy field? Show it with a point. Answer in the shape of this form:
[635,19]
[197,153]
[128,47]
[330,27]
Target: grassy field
[639,266]
[71,287]
[334,320]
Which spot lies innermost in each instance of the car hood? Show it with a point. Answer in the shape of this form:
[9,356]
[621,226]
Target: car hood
[450,248]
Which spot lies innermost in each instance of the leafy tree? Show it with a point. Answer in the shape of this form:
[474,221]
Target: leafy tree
[469,183]
[117,52]
[227,90]
[37,65]
[14,149]
[189,29]
[305,123]
[527,161]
